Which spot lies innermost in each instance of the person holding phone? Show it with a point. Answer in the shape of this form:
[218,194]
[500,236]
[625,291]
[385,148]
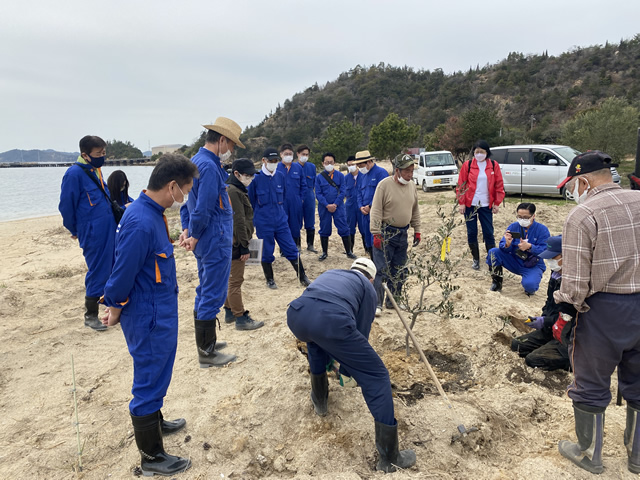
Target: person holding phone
[518,251]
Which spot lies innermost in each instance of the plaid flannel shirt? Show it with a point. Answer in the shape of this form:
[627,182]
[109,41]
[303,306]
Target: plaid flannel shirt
[601,246]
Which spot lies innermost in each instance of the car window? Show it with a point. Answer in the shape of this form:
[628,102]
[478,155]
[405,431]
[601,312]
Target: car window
[567,153]
[541,157]
[439,160]
[498,155]
[515,157]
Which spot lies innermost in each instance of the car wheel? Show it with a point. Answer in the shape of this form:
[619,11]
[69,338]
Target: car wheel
[566,194]
[424,186]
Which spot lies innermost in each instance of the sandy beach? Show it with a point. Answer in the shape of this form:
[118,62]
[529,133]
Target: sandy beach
[254,419]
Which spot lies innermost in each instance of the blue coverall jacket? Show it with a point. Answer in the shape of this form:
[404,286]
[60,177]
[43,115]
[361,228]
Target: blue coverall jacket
[351,203]
[295,192]
[87,214]
[267,194]
[327,195]
[368,185]
[209,218]
[309,200]
[143,284]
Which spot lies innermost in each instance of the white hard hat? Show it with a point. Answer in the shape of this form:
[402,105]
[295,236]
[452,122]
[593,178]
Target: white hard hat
[365,265]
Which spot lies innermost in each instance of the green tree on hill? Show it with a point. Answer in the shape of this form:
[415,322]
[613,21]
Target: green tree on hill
[612,127]
[342,139]
[118,149]
[392,136]
[480,123]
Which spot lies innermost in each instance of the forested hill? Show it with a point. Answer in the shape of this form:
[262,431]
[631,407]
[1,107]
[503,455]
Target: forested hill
[532,96]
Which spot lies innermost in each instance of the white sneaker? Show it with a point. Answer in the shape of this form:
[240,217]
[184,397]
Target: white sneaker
[378,311]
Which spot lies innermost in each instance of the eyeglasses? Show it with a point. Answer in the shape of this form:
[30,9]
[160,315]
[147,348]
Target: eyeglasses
[522,218]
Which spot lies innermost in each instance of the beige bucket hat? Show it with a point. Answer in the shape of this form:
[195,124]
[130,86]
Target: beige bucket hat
[228,128]
[363,156]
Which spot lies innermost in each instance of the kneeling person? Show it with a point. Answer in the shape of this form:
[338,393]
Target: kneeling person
[142,295]
[334,317]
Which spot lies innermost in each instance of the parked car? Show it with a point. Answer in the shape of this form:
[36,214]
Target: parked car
[435,169]
[538,168]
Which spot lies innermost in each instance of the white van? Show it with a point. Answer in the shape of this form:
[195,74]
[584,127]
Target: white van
[435,169]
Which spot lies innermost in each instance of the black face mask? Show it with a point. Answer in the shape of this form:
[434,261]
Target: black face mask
[97,162]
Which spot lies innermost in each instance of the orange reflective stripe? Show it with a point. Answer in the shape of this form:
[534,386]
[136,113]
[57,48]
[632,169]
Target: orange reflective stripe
[220,198]
[158,276]
[166,225]
[90,200]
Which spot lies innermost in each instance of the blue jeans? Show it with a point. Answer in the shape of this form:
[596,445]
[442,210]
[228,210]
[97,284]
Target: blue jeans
[390,260]
[484,214]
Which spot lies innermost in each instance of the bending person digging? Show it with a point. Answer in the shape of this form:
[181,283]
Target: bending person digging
[334,316]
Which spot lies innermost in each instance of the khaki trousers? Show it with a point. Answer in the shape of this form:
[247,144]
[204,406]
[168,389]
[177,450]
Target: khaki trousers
[234,294]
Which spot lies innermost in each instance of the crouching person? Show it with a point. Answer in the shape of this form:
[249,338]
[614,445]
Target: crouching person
[334,316]
[142,295]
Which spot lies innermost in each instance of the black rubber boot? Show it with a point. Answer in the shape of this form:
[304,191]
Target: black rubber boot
[364,245]
[320,393]
[489,246]
[219,345]
[496,277]
[369,251]
[587,453]
[267,268]
[310,238]
[153,459]
[245,322]
[346,241]
[206,343]
[475,253]
[324,241]
[91,319]
[298,243]
[387,446]
[632,438]
[300,273]
[171,426]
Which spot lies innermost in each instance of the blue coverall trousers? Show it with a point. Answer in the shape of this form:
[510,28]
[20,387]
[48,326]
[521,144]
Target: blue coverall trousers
[338,217]
[270,234]
[309,210]
[531,276]
[213,258]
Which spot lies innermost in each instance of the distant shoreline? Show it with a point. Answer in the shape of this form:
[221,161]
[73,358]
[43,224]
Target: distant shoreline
[109,163]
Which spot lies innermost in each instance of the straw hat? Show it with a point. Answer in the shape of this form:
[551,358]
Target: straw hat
[363,156]
[228,128]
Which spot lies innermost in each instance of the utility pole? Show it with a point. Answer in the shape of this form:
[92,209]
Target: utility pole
[533,119]
[354,118]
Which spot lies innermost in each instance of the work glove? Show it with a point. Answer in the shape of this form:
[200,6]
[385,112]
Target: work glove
[535,322]
[557,328]
[377,241]
[416,239]
[348,382]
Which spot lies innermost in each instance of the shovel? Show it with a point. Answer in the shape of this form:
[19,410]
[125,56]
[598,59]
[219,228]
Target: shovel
[461,428]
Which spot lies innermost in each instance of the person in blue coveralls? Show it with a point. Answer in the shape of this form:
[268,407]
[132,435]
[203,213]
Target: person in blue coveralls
[371,176]
[351,203]
[118,184]
[207,222]
[267,197]
[87,214]
[309,200]
[295,191]
[518,251]
[334,316]
[142,295]
[330,191]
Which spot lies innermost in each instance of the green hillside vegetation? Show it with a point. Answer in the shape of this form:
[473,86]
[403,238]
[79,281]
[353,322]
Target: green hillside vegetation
[522,99]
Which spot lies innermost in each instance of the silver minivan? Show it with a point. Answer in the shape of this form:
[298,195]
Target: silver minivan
[538,168]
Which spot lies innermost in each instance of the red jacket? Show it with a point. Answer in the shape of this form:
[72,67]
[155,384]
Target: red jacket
[468,177]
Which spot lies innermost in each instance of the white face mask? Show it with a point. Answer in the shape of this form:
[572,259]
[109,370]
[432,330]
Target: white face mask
[363,170]
[481,157]
[329,168]
[524,223]
[580,198]
[271,166]
[177,204]
[402,180]
[553,265]
[303,159]
[245,180]
[287,159]
[352,168]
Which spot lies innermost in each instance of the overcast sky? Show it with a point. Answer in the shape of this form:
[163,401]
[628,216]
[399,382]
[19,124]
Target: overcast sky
[152,72]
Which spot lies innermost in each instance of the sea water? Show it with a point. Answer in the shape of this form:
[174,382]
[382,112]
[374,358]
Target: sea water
[29,192]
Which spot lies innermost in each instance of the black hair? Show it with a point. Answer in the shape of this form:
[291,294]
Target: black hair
[303,147]
[116,181]
[526,206]
[286,146]
[170,167]
[212,136]
[484,146]
[366,274]
[328,154]
[89,142]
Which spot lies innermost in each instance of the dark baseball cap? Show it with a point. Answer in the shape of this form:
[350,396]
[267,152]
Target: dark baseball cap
[554,247]
[587,162]
[271,154]
[244,166]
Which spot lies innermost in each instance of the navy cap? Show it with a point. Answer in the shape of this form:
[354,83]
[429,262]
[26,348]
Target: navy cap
[271,154]
[244,166]
[590,161]
[554,247]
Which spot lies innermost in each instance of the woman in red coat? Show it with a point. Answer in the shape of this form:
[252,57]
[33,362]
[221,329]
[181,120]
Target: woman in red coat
[480,190]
